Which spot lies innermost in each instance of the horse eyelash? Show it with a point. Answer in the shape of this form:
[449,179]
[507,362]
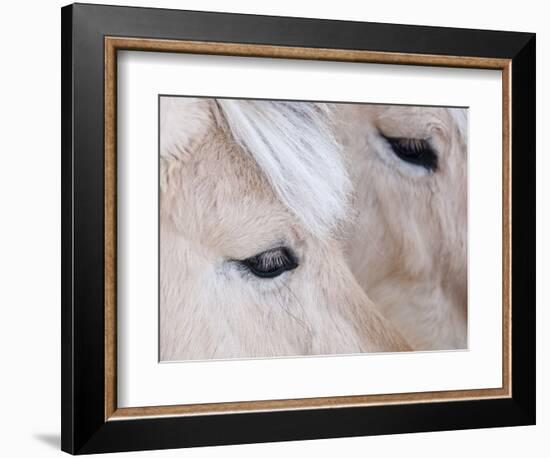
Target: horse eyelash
[270,263]
[415,151]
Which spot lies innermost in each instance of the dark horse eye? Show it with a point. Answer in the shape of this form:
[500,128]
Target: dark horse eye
[270,263]
[415,151]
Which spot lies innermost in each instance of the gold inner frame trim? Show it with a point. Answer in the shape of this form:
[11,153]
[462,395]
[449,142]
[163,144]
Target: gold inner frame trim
[114,44]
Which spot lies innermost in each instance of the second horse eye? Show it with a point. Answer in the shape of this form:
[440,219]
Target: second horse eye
[270,263]
[416,151]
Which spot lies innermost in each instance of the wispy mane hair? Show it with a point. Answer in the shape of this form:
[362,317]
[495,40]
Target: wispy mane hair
[294,146]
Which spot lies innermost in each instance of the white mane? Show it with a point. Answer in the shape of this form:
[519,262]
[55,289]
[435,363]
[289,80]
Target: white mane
[293,145]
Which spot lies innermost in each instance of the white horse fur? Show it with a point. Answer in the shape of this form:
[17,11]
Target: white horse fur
[380,244]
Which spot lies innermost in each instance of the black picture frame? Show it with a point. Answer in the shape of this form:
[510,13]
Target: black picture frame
[84,427]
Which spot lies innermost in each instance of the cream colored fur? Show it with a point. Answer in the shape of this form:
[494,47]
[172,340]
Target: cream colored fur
[408,244]
[381,244]
[218,205]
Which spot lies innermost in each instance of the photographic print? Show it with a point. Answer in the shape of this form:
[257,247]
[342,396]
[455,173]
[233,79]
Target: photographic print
[263,231]
[296,228]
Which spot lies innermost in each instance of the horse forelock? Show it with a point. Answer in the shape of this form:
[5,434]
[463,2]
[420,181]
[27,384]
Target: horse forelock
[294,147]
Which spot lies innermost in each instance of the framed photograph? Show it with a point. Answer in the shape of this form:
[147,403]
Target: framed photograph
[284,228]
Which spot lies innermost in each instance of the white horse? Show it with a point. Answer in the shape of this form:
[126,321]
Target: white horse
[408,248]
[267,246]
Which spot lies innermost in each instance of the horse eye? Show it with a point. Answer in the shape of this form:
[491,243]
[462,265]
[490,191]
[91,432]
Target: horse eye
[270,263]
[417,151]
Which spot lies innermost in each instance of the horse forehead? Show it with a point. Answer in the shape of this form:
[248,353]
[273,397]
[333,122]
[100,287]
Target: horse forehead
[227,201]
[184,122]
[223,167]
[411,117]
